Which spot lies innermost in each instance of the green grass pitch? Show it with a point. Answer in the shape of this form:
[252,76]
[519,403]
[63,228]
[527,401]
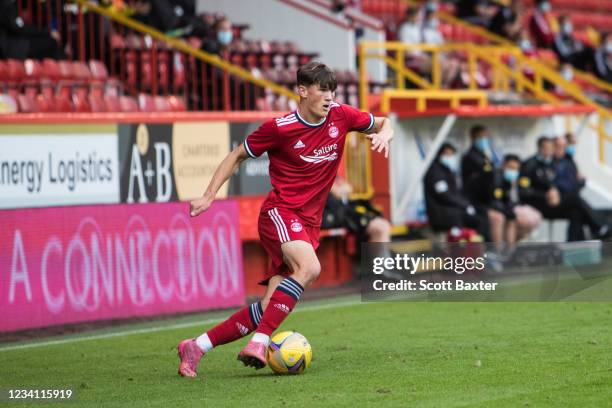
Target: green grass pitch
[365,354]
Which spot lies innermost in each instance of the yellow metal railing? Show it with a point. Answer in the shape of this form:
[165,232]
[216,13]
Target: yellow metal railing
[510,70]
[180,45]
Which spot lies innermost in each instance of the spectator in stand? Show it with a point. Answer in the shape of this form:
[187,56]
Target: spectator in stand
[603,58]
[568,49]
[477,166]
[20,41]
[431,34]
[410,32]
[508,21]
[220,38]
[446,206]
[478,12]
[176,18]
[541,26]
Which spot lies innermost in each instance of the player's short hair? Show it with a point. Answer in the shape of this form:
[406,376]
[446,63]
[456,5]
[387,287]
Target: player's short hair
[476,130]
[511,157]
[317,73]
[542,140]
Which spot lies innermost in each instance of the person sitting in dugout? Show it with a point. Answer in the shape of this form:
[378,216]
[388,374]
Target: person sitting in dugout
[446,205]
[514,220]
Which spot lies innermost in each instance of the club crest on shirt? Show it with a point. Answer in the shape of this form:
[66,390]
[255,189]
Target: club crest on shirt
[333,131]
[296,226]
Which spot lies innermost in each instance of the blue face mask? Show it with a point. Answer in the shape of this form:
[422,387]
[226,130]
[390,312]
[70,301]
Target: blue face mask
[570,150]
[451,162]
[482,144]
[510,175]
[225,37]
[545,7]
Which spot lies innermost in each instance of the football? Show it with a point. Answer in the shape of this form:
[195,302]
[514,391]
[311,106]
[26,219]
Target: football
[289,353]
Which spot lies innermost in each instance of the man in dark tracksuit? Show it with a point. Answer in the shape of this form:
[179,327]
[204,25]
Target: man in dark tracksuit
[537,188]
[446,206]
[569,182]
[477,167]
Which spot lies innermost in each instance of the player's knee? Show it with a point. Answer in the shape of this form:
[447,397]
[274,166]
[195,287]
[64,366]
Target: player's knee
[310,272]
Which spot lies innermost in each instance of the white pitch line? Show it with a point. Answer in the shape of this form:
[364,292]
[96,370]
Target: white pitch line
[157,328]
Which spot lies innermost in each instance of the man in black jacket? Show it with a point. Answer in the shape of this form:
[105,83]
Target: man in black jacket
[477,166]
[517,219]
[570,182]
[537,188]
[446,206]
[569,49]
[20,41]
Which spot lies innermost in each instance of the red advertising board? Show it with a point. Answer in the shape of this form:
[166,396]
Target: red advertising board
[73,264]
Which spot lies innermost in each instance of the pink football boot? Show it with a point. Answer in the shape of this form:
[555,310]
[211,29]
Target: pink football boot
[190,355]
[254,355]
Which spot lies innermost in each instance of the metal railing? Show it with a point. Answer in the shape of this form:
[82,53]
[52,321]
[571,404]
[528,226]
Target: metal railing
[508,67]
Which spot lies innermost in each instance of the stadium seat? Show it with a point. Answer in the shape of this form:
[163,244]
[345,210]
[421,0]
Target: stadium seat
[128,104]
[27,104]
[176,103]
[97,103]
[112,103]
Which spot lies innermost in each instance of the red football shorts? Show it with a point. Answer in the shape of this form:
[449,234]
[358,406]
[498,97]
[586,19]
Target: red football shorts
[277,226]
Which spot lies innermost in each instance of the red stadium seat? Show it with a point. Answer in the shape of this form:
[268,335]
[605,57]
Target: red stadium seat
[26,104]
[176,103]
[97,103]
[128,104]
[161,104]
[112,103]
[81,104]
[146,103]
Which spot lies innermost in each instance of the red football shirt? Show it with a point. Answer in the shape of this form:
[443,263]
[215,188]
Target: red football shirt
[304,157]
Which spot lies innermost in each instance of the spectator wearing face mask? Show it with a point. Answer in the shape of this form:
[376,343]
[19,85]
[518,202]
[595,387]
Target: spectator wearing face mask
[508,21]
[477,166]
[446,205]
[540,26]
[537,187]
[512,220]
[568,49]
[220,38]
[603,58]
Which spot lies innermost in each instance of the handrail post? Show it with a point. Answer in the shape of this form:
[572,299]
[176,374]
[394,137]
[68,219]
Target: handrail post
[363,78]
[436,69]
[472,67]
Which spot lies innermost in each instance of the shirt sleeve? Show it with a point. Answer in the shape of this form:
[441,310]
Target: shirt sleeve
[357,120]
[263,139]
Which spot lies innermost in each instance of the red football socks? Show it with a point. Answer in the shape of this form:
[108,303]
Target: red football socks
[283,300]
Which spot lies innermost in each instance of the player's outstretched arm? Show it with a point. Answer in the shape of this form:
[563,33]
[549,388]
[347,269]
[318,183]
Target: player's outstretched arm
[381,135]
[222,174]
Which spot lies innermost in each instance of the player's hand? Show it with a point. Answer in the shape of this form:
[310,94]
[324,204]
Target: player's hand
[199,205]
[381,141]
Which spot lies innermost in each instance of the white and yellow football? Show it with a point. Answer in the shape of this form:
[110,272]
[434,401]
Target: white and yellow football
[289,353]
